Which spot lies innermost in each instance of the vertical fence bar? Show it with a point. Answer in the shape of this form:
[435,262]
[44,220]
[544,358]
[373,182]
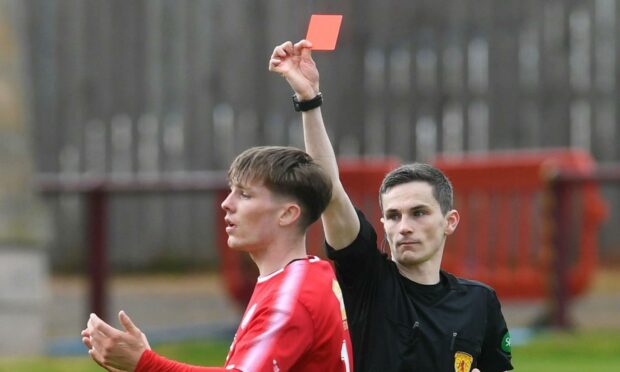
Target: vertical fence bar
[97,259]
[564,185]
[559,287]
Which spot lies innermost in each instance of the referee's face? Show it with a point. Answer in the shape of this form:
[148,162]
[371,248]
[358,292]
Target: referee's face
[415,228]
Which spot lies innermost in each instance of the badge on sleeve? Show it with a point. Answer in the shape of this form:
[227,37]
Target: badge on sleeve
[462,362]
[506,345]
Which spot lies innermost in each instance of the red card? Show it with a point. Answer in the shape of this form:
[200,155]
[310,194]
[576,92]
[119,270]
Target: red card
[323,31]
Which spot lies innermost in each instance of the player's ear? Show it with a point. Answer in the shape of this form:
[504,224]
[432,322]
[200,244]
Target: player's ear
[452,220]
[290,214]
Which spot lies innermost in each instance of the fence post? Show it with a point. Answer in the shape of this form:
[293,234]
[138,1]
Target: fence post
[97,259]
[559,273]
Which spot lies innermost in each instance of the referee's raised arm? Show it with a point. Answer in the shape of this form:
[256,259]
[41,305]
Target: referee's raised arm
[294,62]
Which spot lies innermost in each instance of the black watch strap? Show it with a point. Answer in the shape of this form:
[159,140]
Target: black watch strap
[307,105]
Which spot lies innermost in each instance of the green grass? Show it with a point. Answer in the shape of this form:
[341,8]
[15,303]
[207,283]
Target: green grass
[199,353]
[548,352]
[570,352]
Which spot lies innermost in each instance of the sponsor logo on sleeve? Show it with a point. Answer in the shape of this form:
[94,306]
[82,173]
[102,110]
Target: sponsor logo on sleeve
[506,345]
[343,313]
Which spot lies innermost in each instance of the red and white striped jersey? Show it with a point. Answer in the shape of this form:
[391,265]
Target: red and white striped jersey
[295,321]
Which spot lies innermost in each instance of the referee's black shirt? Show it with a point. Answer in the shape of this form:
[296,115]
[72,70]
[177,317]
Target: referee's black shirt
[399,325]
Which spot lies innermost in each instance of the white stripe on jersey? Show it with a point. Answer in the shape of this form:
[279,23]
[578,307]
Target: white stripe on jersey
[285,303]
[248,315]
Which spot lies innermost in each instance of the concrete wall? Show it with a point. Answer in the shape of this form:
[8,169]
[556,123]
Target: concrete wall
[23,262]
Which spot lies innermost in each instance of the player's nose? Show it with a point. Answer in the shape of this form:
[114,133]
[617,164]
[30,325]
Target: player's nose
[227,204]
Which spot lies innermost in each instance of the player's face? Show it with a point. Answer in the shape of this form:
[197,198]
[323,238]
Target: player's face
[252,213]
[415,228]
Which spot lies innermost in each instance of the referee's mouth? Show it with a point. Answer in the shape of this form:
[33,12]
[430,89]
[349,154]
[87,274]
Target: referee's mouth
[407,242]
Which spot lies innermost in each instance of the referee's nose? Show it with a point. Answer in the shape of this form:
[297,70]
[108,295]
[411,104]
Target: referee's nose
[405,226]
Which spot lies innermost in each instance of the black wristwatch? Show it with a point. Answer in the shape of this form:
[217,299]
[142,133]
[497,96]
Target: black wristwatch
[307,105]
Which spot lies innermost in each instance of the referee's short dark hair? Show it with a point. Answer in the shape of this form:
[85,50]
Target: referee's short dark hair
[286,171]
[442,188]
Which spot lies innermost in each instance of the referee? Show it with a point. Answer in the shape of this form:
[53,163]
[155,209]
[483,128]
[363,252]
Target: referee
[404,312]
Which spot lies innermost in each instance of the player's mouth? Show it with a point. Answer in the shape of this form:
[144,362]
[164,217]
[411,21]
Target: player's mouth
[229,225]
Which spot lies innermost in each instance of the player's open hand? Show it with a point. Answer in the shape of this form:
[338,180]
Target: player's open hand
[295,63]
[113,349]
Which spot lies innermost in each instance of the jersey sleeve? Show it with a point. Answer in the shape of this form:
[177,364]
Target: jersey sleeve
[152,362]
[496,349]
[358,261]
[275,339]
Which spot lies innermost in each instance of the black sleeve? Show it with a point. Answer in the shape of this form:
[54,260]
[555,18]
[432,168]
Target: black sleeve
[361,259]
[496,348]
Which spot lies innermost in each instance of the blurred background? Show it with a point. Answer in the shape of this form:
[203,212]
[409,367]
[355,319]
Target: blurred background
[119,118]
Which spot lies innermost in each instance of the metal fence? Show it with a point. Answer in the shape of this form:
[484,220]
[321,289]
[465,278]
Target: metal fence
[159,87]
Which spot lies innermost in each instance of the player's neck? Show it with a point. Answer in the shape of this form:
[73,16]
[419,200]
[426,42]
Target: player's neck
[279,254]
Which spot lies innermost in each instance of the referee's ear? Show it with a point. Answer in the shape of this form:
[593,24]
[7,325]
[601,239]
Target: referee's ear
[452,221]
